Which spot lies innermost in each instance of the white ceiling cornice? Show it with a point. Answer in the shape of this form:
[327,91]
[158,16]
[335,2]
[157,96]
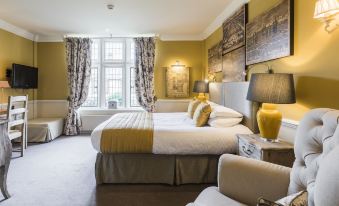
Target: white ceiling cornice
[16,30]
[181,37]
[227,12]
[51,38]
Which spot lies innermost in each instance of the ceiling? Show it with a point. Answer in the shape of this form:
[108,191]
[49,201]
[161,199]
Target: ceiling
[176,19]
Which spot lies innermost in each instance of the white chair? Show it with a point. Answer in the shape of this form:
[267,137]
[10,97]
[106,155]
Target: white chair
[241,181]
[17,120]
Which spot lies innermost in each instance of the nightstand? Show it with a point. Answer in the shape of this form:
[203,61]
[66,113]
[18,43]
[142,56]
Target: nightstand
[252,146]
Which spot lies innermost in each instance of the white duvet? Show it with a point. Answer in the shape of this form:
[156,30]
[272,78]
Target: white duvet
[175,133]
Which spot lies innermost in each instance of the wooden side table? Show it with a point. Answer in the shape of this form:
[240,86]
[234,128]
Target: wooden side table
[5,157]
[252,146]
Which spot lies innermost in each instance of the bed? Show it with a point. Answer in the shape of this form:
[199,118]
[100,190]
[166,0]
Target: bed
[180,153]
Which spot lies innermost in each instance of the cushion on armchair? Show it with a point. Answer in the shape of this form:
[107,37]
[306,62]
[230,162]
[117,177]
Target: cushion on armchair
[298,199]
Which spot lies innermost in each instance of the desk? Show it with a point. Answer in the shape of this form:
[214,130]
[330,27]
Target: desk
[5,157]
[3,112]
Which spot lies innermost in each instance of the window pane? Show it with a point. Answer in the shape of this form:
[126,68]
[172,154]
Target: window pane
[92,98]
[95,51]
[113,84]
[113,51]
[133,96]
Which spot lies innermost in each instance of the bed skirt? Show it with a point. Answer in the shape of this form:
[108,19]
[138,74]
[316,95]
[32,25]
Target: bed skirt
[156,169]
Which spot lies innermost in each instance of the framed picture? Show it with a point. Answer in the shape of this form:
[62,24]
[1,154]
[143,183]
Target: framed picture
[234,30]
[270,35]
[215,58]
[177,82]
[233,65]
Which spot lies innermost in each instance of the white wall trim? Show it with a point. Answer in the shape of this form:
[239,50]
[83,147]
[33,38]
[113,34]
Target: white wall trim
[166,37]
[290,123]
[16,30]
[91,117]
[53,101]
[288,130]
[52,38]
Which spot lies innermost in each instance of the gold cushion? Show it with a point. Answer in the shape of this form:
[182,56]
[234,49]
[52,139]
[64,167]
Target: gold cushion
[201,114]
[192,107]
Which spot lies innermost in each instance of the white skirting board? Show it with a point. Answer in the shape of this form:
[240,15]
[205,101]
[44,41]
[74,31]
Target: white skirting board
[92,117]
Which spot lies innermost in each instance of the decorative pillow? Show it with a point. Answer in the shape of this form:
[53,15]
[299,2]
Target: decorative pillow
[192,107]
[202,114]
[264,202]
[223,122]
[297,199]
[221,111]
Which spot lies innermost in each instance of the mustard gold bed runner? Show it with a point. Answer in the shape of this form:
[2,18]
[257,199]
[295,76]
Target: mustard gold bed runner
[128,133]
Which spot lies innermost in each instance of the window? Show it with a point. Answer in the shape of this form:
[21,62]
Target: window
[112,74]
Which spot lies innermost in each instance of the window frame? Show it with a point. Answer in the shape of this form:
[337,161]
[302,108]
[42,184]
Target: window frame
[127,63]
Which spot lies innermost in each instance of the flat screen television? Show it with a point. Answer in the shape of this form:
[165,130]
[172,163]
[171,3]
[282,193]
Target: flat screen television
[24,77]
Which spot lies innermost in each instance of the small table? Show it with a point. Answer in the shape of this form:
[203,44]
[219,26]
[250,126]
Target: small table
[253,146]
[5,157]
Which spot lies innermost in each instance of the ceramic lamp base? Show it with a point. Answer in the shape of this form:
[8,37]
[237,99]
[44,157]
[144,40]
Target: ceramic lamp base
[201,97]
[269,121]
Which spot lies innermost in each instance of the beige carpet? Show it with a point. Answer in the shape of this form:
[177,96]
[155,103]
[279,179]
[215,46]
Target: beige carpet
[62,173]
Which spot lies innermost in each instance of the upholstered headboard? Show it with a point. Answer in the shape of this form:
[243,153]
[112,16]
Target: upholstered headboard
[216,93]
[233,95]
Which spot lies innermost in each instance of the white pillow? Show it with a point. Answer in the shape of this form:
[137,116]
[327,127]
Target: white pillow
[221,111]
[224,122]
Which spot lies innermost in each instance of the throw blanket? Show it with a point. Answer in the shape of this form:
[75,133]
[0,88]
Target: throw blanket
[128,133]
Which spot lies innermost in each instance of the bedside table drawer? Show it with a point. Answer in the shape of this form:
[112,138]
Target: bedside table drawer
[247,149]
[252,146]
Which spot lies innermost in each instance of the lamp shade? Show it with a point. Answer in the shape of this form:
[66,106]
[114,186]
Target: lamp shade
[326,8]
[4,84]
[272,88]
[200,87]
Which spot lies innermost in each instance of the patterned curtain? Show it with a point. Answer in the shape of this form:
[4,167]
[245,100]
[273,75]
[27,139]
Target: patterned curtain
[144,76]
[79,72]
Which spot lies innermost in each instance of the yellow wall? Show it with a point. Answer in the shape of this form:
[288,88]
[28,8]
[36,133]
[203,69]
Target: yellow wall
[52,70]
[315,62]
[188,53]
[53,73]
[15,49]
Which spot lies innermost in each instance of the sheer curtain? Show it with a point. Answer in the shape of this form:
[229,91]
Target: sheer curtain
[79,72]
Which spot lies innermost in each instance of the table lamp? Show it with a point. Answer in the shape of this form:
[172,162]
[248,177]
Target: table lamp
[3,84]
[326,10]
[271,89]
[201,87]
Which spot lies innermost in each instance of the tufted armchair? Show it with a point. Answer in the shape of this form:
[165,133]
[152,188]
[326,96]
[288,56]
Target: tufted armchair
[241,181]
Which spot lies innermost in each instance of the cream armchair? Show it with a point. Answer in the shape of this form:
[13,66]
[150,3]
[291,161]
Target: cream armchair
[241,181]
